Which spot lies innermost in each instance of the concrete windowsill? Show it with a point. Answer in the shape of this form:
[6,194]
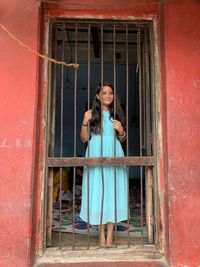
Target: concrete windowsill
[57,257]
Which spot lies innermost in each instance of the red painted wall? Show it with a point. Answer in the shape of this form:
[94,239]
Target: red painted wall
[18,94]
[182,57]
[21,102]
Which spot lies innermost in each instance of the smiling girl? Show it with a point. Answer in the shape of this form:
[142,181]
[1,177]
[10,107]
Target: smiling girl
[102,143]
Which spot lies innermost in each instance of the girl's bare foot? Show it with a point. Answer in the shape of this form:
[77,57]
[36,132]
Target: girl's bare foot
[110,227]
[102,238]
[109,243]
[102,243]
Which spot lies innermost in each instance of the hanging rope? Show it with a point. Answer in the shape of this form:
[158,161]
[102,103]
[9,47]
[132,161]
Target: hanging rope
[75,66]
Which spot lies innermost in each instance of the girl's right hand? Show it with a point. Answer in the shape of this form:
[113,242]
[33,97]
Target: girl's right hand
[87,116]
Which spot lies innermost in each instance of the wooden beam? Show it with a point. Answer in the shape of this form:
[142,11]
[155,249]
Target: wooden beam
[149,203]
[104,161]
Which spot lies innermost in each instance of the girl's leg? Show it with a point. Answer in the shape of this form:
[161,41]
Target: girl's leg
[102,238]
[110,228]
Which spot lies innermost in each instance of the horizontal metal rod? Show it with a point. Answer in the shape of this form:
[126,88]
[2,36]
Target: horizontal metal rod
[101,161]
[84,29]
[86,42]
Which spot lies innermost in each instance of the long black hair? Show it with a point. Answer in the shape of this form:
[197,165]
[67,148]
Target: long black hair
[95,123]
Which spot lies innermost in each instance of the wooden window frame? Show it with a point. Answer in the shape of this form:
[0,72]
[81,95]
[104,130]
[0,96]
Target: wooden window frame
[136,161]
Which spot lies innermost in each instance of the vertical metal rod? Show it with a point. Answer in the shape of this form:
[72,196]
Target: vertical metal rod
[148,96]
[143,127]
[114,74]
[127,130]
[88,169]
[140,120]
[75,97]
[102,168]
[61,133]
[151,88]
[53,98]
[143,96]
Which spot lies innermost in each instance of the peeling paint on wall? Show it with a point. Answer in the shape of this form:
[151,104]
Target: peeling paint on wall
[196,83]
[4,144]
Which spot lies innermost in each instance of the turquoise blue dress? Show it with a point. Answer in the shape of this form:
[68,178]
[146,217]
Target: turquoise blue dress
[96,181]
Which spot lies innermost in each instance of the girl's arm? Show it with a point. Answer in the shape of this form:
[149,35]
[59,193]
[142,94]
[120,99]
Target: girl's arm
[84,128]
[121,132]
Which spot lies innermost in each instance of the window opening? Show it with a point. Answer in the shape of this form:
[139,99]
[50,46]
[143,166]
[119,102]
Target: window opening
[118,52]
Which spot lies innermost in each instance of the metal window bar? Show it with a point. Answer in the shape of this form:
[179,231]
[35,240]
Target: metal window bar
[127,131]
[61,133]
[143,94]
[102,168]
[139,66]
[115,93]
[143,127]
[147,95]
[75,97]
[113,161]
[88,171]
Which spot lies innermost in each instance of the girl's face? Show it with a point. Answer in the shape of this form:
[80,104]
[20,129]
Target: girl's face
[106,96]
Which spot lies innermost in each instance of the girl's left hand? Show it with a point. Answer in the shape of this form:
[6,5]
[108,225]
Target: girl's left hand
[118,126]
